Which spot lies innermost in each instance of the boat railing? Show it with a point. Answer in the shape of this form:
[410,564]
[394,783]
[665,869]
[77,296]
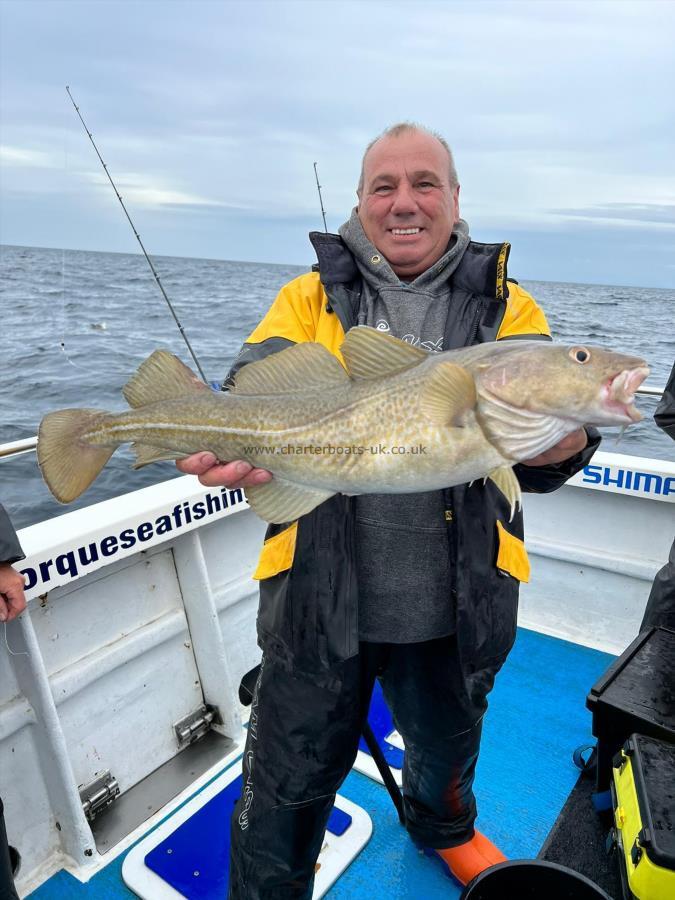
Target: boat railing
[28,445]
[653,391]
[17,448]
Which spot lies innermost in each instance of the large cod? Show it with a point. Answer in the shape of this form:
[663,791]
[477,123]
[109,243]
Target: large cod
[394,419]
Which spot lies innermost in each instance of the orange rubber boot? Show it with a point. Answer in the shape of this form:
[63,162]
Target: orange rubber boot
[470,859]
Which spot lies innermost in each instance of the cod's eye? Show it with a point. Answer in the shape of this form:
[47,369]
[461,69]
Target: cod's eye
[580,354]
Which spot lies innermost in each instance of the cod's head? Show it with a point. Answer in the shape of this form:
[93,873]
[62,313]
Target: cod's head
[579,383]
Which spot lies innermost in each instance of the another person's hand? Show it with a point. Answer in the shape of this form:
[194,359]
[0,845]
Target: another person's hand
[211,473]
[12,597]
[566,448]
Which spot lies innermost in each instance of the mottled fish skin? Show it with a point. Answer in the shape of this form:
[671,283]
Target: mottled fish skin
[518,399]
[233,427]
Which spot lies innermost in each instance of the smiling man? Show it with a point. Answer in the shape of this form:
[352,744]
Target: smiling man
[408,199]
[417,590]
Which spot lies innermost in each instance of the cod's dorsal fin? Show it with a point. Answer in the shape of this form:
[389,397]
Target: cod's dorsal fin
[505,479]
[369,353]
[280,501]
[293,370]
[162,376]
[448,394]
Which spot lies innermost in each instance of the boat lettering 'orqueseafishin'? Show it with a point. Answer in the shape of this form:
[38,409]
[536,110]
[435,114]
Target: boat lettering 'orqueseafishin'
[394,419]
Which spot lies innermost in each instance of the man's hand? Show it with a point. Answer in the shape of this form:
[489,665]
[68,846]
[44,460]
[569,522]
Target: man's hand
[211,473]
[12,597]
[569,446]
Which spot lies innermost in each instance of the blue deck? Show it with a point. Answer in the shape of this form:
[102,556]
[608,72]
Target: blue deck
[537,717]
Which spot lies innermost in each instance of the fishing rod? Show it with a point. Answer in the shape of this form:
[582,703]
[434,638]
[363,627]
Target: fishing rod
[138,238]
[323,211]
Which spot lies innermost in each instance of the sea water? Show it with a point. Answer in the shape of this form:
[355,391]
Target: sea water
[75,325]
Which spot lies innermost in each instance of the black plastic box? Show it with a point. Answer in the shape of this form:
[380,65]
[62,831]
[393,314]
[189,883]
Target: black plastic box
[636,694]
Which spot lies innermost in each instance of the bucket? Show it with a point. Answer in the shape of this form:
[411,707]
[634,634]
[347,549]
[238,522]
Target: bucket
[522,879]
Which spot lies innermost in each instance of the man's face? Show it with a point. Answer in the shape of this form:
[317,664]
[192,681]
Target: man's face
[407,207]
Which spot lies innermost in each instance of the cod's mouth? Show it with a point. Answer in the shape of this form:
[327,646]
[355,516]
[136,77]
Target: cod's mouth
[619,392]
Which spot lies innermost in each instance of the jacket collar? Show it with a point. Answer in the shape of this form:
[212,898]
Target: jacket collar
[336,263]
[482,269]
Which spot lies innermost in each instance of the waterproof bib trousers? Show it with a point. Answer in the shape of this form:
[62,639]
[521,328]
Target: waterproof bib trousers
[303,739]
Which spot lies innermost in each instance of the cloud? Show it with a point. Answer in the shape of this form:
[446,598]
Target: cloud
[662,214]
[156,196]
[141,191]
[25,158]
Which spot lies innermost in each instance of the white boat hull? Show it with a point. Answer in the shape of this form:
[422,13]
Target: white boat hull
[114,651]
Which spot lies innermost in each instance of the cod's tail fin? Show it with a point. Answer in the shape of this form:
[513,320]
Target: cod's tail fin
[68,463]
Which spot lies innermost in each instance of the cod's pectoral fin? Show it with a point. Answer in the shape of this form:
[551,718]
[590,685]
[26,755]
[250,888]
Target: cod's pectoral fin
[279,501]
[296,369]
[162,376]
[448,394]
[369,353]
[505,479]
[145,454]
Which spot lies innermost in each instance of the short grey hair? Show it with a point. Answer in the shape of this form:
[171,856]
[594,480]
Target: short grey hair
[404,128]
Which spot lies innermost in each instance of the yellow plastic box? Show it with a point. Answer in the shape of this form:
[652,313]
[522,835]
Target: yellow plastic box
[643,793]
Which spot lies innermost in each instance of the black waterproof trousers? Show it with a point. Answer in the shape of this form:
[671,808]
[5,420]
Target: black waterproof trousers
[7,889]
[303,740]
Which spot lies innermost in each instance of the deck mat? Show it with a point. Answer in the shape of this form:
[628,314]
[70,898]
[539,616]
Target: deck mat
[188,856]
[525,773]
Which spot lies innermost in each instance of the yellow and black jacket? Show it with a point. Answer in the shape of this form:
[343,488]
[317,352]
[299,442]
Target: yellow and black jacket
[308,592]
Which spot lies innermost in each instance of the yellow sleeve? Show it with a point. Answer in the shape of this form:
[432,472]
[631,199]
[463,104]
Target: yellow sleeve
[523,315]
[294,315]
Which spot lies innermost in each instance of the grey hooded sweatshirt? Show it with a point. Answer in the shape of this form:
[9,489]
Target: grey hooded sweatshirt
[403,555]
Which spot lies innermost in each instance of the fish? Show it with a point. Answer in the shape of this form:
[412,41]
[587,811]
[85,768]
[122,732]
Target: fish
[385,417]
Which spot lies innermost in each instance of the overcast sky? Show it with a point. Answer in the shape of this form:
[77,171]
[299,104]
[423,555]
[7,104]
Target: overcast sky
[210,115]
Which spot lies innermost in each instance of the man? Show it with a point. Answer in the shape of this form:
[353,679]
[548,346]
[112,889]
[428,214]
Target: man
[12,604]
[417,590]
[660,608]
